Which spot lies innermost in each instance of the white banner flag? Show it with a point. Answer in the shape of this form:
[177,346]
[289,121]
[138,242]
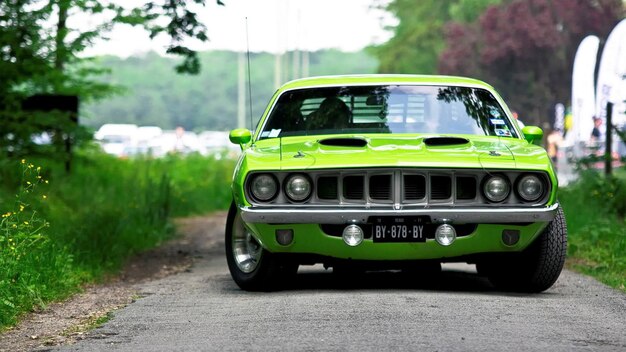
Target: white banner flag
[583,91]
[612,70]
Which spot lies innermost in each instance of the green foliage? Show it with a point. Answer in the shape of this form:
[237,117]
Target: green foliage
[181,23]
[58,231]
[157,96]
[470,10]
[199,184]
[417,39]
[34,268]
[122,208]
[18,129]
[595,209]
[22,43]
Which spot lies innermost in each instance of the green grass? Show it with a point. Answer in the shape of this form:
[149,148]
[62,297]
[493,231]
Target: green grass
[59,230]
[595,208]
[199,184]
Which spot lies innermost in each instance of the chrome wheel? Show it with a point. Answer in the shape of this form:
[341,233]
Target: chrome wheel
[246,250]
[252,267]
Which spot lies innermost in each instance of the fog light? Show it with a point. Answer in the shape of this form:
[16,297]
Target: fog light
[510,237]
[445,234]
[284,237]
[352,235]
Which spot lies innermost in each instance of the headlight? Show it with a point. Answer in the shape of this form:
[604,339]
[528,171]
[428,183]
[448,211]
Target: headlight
[496,189]
[264,187]
[298,188]
[530,188]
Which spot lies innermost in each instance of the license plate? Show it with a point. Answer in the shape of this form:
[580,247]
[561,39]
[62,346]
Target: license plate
[400,229]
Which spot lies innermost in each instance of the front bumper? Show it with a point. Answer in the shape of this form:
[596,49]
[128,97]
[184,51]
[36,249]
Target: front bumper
[345,215]
[310,239]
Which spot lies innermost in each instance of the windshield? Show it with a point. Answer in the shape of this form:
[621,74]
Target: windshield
[387,109]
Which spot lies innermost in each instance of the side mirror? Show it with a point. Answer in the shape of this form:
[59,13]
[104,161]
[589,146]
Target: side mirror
[240,136]
[533,134]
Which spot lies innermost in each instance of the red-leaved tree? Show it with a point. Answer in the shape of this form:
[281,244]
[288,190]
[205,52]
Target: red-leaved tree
[526,48]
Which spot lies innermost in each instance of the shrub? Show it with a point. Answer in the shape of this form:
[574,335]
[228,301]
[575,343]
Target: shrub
[33,268]
[594,208]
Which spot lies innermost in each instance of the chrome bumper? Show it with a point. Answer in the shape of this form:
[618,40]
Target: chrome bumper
[336,215]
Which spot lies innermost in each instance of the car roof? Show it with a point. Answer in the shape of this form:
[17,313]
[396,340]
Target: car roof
[386,79]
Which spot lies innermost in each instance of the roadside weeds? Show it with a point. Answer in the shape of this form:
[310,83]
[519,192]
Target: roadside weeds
[69,321]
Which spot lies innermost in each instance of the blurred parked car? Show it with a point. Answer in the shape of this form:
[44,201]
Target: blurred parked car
[114,138]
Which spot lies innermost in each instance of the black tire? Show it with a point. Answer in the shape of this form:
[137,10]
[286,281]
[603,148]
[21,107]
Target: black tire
[270,273]
[535,269]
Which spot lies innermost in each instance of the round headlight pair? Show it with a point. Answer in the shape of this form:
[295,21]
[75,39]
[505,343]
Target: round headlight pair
[264,187]
[298,187]
[529,188]
[496,188]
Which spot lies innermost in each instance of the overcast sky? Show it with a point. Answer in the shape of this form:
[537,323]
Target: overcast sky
[273,26]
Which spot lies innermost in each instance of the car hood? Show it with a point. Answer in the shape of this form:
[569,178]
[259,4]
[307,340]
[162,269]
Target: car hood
[384,150]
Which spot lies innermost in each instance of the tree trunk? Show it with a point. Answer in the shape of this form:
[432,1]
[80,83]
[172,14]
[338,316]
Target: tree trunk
[60,55]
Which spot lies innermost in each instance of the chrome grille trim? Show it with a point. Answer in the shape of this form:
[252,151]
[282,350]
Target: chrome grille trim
[304,215]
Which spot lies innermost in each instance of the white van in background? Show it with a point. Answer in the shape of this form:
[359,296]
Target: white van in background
[116,138]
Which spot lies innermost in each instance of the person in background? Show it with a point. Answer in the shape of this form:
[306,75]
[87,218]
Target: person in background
[596,133]
[596,139]
[555,139]
[179,145]
[516,117]
[568,121]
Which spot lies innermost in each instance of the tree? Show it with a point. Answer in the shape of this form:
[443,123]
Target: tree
[37,57]
[418,38]
[526,49]
[469,10]
[22,46]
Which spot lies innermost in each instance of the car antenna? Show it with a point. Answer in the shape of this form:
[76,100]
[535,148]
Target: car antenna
[249,79]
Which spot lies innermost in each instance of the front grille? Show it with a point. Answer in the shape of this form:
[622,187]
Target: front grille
[414,187]
[440,187]
[327,188]
[353,187]
[465,188]
[380,187]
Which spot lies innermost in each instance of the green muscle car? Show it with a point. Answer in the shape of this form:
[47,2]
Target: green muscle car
[393,172]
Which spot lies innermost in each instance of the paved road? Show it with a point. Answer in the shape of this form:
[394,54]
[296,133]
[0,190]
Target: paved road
[204,310]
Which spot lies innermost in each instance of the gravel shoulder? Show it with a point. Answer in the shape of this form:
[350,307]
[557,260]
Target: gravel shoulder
[66,322]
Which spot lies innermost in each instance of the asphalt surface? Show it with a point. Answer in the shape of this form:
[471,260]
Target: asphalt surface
[203,309]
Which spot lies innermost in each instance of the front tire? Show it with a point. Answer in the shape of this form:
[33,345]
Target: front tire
[535,269]
[251,266]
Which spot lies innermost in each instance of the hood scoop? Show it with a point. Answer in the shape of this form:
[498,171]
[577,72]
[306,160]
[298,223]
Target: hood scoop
[344,142]
[444,141]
